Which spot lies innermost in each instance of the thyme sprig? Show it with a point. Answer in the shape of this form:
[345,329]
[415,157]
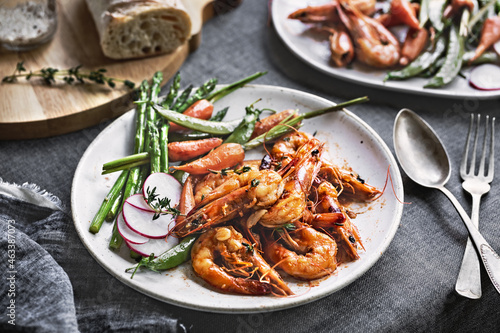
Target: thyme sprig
[161,206]
[70,76]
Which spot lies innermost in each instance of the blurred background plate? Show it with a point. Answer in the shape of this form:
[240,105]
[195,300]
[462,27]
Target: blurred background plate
[313,49]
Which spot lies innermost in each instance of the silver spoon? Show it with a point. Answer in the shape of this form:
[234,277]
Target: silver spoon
[424,159]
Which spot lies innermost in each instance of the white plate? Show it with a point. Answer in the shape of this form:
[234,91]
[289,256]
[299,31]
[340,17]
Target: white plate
[351,142]
[316,53]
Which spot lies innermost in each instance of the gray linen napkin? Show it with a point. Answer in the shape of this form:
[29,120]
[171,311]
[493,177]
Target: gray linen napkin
[45,256]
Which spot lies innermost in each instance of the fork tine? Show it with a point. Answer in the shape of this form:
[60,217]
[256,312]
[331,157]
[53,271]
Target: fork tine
[472,168]
[491,166]
[483,153]
[463,166]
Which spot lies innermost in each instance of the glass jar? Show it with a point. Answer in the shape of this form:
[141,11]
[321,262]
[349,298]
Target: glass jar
[26,24]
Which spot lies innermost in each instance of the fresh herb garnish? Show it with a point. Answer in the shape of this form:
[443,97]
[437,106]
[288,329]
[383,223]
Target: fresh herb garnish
[248,246]
[254,182]
[287,226]
[70,76]
[161,206]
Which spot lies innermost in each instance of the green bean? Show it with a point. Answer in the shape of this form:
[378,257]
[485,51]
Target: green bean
[421,63]
[243,132]
[108,203]
[453,60]
[169,259]
[207,126]
[155,151]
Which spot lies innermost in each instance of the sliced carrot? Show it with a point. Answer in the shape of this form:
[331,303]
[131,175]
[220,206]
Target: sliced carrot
[489,35]
[224,156]
[201,109]
[186,150]
[415,42]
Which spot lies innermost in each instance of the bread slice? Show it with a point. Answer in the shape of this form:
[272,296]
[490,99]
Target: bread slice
[140,28]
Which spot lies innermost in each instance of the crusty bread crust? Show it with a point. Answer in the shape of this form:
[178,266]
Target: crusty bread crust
[140,28]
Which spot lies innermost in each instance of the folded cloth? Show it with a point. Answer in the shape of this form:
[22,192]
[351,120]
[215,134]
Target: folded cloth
[50,283]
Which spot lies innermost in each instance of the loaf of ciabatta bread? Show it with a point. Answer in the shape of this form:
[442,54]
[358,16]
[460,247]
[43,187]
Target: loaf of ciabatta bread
[139,28]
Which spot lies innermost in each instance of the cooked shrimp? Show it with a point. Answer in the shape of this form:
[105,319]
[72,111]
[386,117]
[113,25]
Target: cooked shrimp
[317,14]
[303,253]
[216,185]
[227,261]
[262,192]
[375,45]
[329,215]
[349,183]
[288,208]
[341,48]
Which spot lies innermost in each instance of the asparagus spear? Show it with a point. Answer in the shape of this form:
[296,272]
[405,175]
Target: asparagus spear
[108,202]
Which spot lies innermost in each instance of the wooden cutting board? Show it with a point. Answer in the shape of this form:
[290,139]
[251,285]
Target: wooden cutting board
[34,110]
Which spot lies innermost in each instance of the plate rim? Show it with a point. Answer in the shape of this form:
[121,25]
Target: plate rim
[331,71]
[395,173]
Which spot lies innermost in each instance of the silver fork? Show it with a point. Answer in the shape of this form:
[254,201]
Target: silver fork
[469,279]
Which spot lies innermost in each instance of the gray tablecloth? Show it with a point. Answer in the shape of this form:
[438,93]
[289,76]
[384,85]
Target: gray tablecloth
[59,287]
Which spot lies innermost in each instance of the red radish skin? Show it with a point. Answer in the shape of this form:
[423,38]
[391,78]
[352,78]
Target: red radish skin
[137,200]
[166,187]
[142,222]
[485,77]
[156,246]
[128,234]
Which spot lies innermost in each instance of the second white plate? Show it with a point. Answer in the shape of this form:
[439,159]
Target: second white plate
[317,54]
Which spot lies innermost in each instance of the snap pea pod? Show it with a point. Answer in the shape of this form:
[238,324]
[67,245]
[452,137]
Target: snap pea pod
[435,14]
[218,116]
[243,132]
[421,63]
[169,259]
[176,137]
[207,126]
[423,14]
[453,60]
[490,57]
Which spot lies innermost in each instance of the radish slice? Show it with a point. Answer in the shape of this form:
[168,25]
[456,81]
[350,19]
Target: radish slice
[485,77]
[137,200]
[165,185]
[156,246]
[142,222]
[128,234]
